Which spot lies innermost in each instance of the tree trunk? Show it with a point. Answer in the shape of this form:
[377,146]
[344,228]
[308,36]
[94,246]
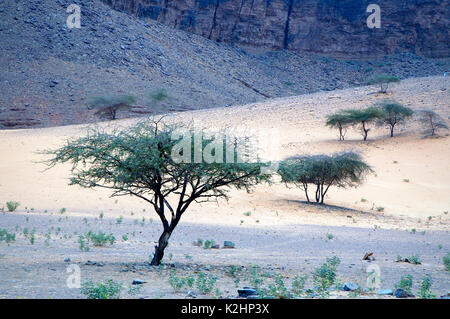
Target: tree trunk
[159,249]
[392,131]
[365,131]
[305,186]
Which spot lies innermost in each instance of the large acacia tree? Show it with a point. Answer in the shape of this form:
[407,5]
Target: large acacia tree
[139,161]
[323,171]
[395,113]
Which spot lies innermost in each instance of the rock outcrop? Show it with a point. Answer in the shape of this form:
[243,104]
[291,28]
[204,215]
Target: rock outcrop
[335,28]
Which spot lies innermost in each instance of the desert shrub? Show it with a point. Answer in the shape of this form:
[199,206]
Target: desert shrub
[7,236]
[108,289]
[108,106]
[446,261]
[255,276]
[432,122]
[205,282]
[364,117]
[100,238]
[340,121]
[12,205]
[209,244]
[159,95]
[394,113]
[415,259]
[323,171]
[325,276]
[198,242]
[425,288]
[177,283]
[383,80]
[277,289]
[298,284]
[405,283]
[140,161]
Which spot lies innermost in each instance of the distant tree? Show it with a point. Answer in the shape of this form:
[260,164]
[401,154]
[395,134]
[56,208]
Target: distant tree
[395,113]
[383,80]
[432,121]
[323,171]
[339,121]
[159,95]
[364,117]
[108,106]
[139,161]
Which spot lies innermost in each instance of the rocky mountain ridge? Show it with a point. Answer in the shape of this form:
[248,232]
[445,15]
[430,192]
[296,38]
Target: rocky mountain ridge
[334,28]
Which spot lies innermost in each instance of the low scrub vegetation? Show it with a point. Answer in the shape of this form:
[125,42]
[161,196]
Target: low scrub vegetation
[108,289]
[12,205]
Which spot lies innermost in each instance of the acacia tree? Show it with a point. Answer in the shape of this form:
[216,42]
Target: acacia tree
[432,121]
[364,117]
[139,161]
[383,80]
[395,113]
[108,106]
[340,121]
[323,171]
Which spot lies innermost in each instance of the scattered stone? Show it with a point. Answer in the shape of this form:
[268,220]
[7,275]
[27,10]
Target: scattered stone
[350,286]
[191,294]
[228,244]
[247,291]
[93,263]
[138,282]
[67,259]
[401,293]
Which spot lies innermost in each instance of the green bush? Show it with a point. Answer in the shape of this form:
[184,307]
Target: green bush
[108,289]
[405,284]
[100,238]
[205,282]
[12,206]
[446,261]
[177,283]
[425,288]
[6,236]
[325,276]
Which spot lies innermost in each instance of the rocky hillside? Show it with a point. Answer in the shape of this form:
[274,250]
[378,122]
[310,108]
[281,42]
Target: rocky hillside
[49,70]
[330,27]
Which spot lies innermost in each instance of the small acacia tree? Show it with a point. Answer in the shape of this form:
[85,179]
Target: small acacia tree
[139,161]
[323,171]
[108,106]
[383,80]
[432,122]
[395,113]
[340,121]
[364,117]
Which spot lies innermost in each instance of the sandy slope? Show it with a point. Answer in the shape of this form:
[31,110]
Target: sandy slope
[279,217]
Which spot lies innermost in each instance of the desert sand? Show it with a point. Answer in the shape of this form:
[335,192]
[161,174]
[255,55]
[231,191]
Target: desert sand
[282,233]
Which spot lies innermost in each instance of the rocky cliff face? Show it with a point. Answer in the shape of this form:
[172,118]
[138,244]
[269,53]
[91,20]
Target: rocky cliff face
[330,27]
